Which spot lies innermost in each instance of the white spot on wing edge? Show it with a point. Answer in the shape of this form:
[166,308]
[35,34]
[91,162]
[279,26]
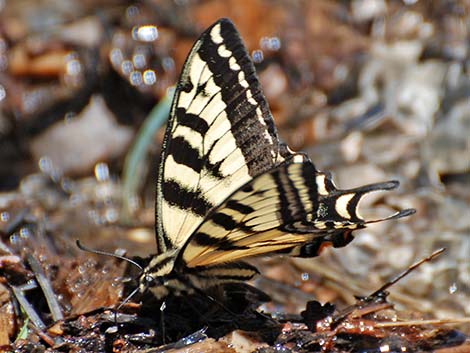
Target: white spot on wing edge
[233,64]
[215,34]
[321,185]
[250,98]
[298,158]
[266,134]
[223,51]
[259,114]
[241,79]
[341,205]
[269,138]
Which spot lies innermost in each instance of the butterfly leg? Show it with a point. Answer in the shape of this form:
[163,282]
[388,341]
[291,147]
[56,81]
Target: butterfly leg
[162,321]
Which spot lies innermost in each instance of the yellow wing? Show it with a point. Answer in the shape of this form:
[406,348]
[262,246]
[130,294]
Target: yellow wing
[283,210]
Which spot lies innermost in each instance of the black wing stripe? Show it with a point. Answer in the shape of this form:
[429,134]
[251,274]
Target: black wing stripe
[183,153]
[208,241]
[290,205]
[239,207]
[352,207]
[192,121]
[238,271]
[185,199]
[248,130]
[224,221]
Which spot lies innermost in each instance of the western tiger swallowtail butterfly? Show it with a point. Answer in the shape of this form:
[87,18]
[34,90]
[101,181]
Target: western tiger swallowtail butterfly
[228,188]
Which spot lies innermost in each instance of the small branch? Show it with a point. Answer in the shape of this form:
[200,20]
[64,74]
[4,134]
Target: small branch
[465,320]
[406,272]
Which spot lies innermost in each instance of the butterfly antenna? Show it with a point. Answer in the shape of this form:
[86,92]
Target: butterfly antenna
[99,252]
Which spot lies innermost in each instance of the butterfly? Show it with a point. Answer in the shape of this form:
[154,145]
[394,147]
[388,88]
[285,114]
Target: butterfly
[228,188]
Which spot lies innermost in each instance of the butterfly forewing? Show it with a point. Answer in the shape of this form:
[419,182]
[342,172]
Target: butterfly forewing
[220,135]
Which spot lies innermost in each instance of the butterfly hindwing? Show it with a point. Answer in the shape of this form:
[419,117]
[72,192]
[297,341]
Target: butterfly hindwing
[292,209]
[219,136]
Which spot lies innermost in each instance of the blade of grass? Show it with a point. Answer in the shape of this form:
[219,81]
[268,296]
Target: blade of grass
[28,308]
[134,165]
[23,334]
[46,287]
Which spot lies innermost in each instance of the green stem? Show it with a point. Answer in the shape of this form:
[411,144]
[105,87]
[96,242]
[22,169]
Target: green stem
[135,166]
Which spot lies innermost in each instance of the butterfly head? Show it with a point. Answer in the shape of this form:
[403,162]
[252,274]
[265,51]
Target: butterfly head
[152,283]
[156,277]
[147,280]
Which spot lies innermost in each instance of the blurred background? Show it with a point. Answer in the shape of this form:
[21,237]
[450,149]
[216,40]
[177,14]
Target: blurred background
[372,90]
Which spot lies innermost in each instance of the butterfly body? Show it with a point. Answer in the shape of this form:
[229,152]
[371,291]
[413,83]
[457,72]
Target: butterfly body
[163,279]
[228,188]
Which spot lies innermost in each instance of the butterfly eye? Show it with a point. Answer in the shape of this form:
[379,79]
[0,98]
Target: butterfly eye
[150,280]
